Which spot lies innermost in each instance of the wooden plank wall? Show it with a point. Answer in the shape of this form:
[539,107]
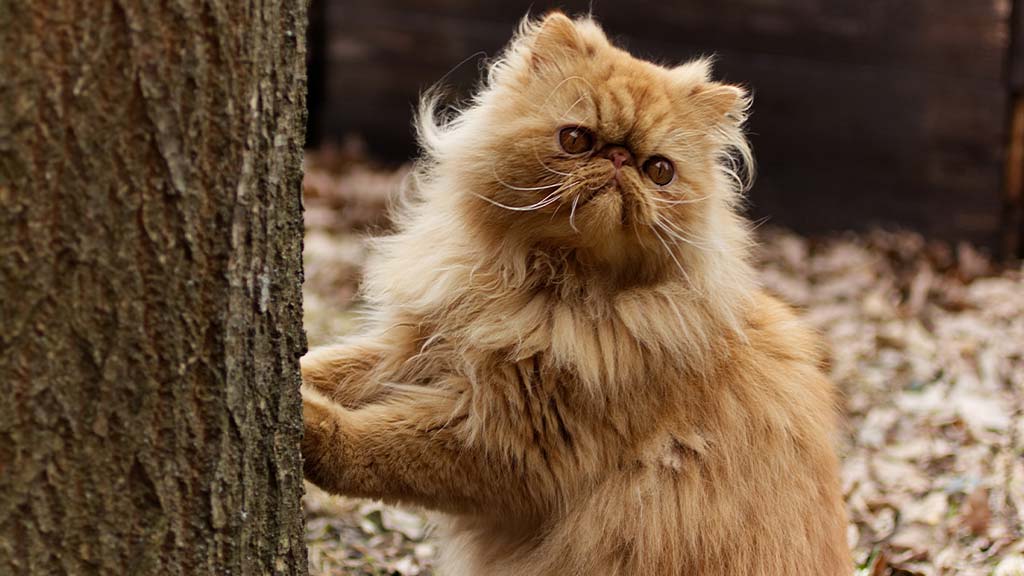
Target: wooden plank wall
[866,111]
[1013,196]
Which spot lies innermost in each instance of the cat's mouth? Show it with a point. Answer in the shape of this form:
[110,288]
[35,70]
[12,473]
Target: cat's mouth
[590,194]
[610,184]
[622,202]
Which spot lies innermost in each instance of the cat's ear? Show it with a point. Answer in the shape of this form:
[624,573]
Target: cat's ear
[721,103]
[718,103]
[555,41]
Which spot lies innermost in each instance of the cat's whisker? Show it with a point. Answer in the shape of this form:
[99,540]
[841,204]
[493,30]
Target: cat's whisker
[523,188]
[572,213]
[550,198]
[707,244]
[713,245]
[569,109]
[536,156]
[569,188]
[674,235]
[755,225]
[667,224]
[672,255]
[681,236]
[554,90]
[677,202]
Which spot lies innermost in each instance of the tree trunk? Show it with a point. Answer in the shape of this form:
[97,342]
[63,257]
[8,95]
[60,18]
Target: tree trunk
[150,272]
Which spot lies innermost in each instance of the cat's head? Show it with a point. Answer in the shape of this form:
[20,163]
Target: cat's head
[572,142]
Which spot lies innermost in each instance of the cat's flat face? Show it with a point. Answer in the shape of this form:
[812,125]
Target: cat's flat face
[577,142]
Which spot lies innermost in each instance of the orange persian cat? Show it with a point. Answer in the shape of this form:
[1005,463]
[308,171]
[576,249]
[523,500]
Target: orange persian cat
[568,353]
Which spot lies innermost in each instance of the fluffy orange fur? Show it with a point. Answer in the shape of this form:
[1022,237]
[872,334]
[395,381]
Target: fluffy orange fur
[574,363]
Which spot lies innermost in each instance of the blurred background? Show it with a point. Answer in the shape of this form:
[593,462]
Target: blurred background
[889,136]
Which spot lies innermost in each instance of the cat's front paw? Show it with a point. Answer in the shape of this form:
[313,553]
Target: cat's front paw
[320,440]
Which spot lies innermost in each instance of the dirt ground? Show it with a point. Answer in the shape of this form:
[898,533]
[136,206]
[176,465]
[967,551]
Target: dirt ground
[927,347]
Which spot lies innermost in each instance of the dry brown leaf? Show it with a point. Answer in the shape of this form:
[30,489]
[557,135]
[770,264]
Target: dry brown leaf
[977,514]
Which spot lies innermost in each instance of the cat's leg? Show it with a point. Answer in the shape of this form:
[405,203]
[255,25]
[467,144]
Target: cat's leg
[354,372]
[408,448]
[346,373]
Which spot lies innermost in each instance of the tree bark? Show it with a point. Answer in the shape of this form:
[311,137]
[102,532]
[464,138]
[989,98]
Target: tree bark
[150,274]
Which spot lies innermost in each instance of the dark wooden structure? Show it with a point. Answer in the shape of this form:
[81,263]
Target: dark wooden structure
[867,112]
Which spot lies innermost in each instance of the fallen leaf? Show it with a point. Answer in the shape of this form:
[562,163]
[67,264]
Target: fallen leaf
[976,514]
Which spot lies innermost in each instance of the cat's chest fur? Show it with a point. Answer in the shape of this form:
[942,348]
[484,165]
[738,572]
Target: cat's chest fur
[570,382]
[603,344]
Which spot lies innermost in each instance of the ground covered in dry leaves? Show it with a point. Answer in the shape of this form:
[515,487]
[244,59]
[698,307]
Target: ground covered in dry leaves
[927,346]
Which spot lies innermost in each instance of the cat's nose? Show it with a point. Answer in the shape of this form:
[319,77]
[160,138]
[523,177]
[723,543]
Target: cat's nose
[619,156]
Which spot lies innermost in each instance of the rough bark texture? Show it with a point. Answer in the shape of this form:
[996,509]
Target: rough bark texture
[150,272]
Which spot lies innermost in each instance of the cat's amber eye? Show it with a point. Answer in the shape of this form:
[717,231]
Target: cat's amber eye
[659,170]
[576,139]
